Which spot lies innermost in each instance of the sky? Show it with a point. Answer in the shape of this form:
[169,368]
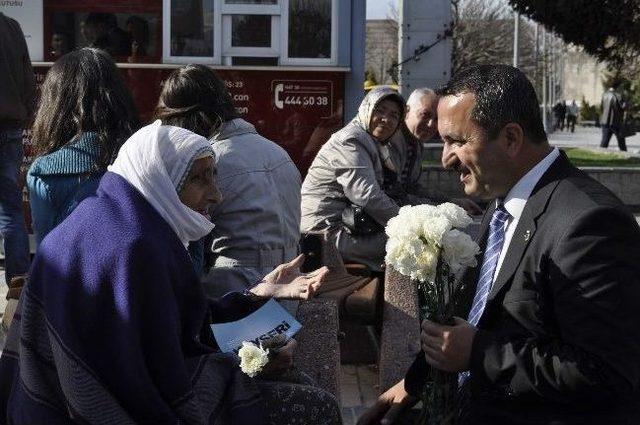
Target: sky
[378,9]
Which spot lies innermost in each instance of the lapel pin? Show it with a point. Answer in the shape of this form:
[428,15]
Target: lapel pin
[527,235]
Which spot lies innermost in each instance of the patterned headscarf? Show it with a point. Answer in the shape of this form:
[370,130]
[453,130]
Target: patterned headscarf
[365,111]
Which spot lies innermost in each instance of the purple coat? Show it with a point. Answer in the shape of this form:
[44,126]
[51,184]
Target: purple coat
[114,326]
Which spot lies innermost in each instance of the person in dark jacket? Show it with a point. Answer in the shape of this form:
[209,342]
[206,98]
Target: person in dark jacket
[17,96]
[612,119]
[548,327]
[85,115]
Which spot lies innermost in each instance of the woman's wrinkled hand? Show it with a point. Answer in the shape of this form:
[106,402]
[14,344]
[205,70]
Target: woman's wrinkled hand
[287,282]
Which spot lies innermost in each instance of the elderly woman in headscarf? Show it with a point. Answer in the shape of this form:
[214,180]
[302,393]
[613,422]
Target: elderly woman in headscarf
[343,192]
[113,324]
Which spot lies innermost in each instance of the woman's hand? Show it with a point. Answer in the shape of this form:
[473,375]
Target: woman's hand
[282,362]
[287,282]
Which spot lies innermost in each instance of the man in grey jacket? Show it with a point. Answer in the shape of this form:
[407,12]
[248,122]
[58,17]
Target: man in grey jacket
[17,96]
[258,220]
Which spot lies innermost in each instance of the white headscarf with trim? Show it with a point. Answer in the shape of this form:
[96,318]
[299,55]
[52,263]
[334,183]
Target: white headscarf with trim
[156,161]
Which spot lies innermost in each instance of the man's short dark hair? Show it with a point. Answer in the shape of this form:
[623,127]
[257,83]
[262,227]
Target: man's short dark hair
[503,95]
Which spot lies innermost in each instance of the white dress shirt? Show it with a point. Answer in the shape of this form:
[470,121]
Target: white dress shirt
[516,200]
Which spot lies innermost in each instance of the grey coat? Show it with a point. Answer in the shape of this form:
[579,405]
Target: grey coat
[257,223]
[347,170]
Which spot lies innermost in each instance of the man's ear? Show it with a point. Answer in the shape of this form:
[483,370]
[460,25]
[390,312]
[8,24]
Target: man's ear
[513,139]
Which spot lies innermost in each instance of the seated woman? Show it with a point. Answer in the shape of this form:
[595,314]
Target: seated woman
[348,175]
[114,324]
[258,219]
[80,125]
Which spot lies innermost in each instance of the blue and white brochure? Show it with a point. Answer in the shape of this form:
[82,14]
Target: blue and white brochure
[269,320]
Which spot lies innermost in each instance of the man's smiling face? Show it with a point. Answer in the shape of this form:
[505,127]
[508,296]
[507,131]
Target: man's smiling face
[467,149]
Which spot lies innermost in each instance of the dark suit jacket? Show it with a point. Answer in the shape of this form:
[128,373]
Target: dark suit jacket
[559,340]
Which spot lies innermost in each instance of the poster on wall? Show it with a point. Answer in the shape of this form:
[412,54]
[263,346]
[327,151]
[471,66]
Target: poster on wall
[28,13]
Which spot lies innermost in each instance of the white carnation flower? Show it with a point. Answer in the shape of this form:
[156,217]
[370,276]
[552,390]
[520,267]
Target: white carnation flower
[456,215]
[459,250]
[252,358]
[426,262]
[417,233]
[434,228]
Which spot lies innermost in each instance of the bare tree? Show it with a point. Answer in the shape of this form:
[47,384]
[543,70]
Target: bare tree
[483,33]
[393,13]
[382,47]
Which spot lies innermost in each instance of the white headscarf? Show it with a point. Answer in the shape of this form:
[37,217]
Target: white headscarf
[156,161]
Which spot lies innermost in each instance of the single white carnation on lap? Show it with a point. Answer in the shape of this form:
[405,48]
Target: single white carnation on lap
[252,358]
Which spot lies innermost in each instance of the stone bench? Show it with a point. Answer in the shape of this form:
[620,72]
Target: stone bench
[394,309]
[356,293]
[400,338]
[318,352]
[358,296]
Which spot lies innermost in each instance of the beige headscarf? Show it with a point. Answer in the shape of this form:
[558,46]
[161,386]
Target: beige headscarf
[365,111]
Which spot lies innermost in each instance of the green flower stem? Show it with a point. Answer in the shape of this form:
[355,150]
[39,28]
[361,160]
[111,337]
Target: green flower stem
[439,394]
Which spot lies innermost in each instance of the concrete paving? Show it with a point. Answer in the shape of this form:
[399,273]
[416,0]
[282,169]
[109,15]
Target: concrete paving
[589,137]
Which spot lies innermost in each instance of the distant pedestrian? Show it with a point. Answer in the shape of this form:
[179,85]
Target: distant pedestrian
[559,112]
[17,94]
[612,120]
[572,115]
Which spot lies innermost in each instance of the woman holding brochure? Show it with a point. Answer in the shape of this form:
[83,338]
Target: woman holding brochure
[114,325]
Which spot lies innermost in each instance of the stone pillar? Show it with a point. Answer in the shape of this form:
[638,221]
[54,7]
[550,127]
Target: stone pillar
[400,340]
[318,352]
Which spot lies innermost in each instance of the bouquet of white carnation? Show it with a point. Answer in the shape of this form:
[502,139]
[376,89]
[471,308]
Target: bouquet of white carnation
[425,244]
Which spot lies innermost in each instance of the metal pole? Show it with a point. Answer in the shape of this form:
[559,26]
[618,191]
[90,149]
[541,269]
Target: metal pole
[536,54]
[544,80]
[516,39]
[552,88]
[552,70]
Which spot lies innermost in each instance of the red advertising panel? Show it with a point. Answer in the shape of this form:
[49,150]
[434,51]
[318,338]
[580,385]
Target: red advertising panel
[299,110]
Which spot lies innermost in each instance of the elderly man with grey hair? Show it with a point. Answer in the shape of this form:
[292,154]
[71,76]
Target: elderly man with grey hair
[407,147]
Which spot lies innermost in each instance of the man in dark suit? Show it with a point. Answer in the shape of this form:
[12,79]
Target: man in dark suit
[549,326]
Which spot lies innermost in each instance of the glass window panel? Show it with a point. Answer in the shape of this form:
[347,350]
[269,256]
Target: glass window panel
[192,28]
[242,60]
[251,31]
[130,36]
[309,28]
[251,1]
